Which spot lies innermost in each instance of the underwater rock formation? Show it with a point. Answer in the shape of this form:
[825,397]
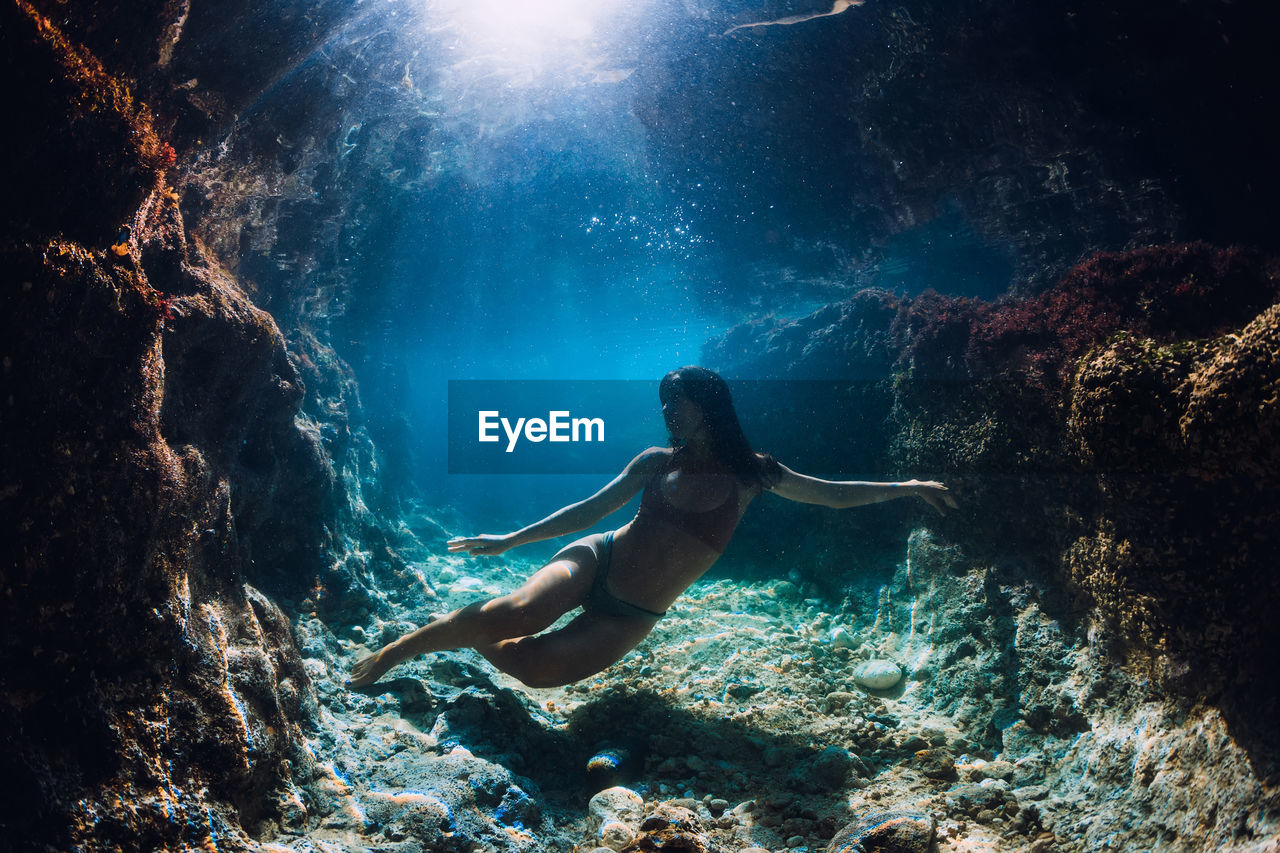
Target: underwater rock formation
[157,473]
[1121,429]
[140,665]
[889,832]
[175,472]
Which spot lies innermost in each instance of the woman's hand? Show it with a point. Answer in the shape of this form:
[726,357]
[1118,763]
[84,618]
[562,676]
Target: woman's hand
[934,494]
[484,545]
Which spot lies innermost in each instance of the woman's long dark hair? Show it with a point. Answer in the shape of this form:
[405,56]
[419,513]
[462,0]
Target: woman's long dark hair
[727,441]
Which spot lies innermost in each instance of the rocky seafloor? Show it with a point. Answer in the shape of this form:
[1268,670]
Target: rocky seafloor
[746,721]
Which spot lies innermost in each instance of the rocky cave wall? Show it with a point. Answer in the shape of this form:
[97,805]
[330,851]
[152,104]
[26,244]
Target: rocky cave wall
[163,462]
[1112,445]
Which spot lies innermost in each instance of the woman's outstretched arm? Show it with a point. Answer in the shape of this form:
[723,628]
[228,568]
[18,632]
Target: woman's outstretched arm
[575,516]
[839,494]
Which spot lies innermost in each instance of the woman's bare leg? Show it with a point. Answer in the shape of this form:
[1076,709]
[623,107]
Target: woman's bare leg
[587,645]
[552,591]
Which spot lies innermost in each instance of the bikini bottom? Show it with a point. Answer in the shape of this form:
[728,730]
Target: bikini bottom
[600,599]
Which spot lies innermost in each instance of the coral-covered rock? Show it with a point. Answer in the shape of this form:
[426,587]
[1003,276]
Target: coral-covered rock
[1231,411]
[150,671]
[1187,773]
[1182,438]
[668,838]
[154,697]
[614,816]
[972,799]
[936,763]
[672,827]
[889,832]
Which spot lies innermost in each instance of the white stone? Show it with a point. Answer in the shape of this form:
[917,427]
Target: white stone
[470,585]
[998,769]
[878,674]
[616,804]
[842,638]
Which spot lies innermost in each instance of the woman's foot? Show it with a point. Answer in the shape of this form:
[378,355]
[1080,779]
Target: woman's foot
[369,669]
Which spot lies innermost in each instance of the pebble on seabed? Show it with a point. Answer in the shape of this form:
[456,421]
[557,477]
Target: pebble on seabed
[842,638]
[878,674]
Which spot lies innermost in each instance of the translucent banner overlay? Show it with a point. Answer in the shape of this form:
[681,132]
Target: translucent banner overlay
[598,426]
[551,426]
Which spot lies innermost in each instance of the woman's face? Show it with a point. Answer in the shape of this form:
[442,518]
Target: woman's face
[683,417]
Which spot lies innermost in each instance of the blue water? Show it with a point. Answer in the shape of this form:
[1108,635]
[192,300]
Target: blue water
[593,190]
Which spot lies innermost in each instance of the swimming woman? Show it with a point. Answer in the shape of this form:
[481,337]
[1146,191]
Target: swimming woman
[695,492]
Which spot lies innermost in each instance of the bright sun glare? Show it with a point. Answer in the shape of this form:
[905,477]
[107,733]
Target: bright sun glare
[530,28]
[496,62]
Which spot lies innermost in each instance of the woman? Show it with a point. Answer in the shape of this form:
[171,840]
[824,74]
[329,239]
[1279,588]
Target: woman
[695,492]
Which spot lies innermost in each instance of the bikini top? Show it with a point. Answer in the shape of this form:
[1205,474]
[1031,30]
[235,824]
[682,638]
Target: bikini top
[713,526]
